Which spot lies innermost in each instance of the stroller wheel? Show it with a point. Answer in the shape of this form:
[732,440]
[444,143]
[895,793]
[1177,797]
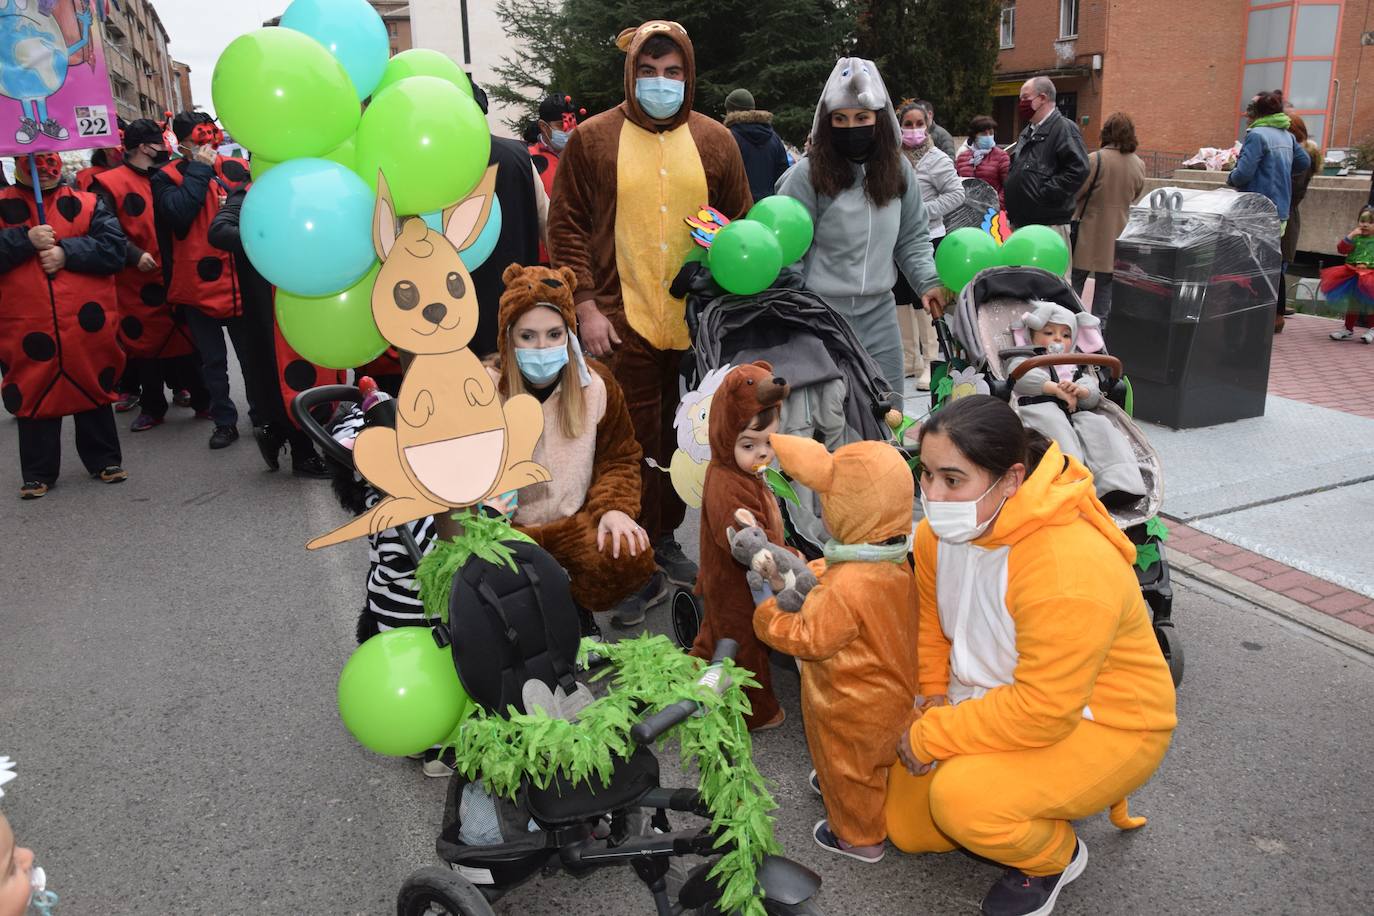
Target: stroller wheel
[435,891]
[686,614]
[1172,646]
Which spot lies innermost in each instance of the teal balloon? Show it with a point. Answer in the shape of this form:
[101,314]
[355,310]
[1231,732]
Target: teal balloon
[399,693]
[306,226]
[350,30]
[962,254]
[1036,246]
[790,222]
[745,257]
[338,331]
[476,254]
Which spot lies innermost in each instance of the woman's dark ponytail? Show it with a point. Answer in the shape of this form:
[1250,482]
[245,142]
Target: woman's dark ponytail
[988,433]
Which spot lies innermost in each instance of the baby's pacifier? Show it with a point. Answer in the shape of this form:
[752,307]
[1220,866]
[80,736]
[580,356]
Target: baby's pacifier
[41,899]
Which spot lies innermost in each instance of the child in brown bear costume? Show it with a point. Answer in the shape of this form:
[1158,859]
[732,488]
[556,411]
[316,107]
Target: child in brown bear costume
[855,635]
[744,412]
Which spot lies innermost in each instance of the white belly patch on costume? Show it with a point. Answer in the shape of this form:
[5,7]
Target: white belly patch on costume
[459,471]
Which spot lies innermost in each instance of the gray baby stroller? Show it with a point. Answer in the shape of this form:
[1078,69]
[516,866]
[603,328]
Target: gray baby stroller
[981,324]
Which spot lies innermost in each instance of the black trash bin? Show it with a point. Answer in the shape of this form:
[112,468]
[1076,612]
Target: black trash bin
[1193,305]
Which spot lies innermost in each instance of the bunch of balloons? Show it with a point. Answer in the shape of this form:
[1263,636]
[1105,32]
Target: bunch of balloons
[294,96]
[965,252]
[747,255]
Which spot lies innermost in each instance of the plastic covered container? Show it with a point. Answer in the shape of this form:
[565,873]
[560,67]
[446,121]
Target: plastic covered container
[1193,305]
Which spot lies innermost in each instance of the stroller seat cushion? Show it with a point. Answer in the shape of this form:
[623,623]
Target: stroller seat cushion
[564,803]
[802,359]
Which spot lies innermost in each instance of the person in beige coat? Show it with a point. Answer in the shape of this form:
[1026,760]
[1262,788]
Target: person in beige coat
[1116,179]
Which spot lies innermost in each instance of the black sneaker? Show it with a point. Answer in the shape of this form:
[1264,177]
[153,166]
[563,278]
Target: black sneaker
[630,612]
[310,466]
[674,563]
[224,436]
[1019,894]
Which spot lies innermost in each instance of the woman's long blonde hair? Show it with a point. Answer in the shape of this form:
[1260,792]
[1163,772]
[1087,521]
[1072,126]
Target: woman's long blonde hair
[572,406]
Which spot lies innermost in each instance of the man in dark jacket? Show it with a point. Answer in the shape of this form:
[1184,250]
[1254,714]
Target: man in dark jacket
[938,135]
[1048,165]
[765,158]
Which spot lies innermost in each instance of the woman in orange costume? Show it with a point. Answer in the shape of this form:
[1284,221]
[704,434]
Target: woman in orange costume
[1045,697]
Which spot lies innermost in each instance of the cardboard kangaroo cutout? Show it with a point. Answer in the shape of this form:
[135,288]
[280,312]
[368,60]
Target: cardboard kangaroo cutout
[455,444]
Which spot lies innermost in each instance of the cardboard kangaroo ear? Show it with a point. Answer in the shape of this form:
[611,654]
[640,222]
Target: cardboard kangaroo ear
[806,460]
[746,518]
[383,220]
[465,220]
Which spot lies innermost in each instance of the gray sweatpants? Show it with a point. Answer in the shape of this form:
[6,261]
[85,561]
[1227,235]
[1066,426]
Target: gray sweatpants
[874,320]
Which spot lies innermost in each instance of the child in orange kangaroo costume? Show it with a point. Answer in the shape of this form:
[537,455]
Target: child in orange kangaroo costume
[856,633]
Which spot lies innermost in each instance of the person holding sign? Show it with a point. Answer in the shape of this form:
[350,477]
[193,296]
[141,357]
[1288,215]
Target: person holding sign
[59,251]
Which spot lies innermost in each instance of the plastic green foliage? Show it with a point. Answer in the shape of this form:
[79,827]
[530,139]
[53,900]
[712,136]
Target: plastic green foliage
[1130,397]
[1146,555]
[482,537]
[1156,528]
[944,389]
[649,673]
[780,486]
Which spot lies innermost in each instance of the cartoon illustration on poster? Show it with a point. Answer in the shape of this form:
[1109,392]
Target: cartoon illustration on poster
[54,88]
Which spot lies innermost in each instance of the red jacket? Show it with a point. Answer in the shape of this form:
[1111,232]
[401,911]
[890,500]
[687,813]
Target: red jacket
[58,352]
[993,168]
[202,275]
[147,327]
[86,176]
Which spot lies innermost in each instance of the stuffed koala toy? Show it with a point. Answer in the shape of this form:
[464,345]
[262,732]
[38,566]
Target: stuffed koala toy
[780,569]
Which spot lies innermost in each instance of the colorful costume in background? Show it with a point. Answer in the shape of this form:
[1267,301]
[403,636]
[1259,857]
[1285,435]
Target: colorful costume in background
[1351,285]
[623,187]
[1062,704]
[595,472]
[729,604]
[856,633]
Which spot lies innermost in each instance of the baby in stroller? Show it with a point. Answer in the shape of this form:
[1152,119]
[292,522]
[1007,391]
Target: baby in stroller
[1061,401]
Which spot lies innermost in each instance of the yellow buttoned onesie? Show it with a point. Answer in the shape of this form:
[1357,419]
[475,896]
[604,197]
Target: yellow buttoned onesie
[1061,703]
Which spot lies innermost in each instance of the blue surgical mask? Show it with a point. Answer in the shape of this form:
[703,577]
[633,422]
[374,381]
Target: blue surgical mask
[541,365]
[558,140]
[660,97]
[985,141]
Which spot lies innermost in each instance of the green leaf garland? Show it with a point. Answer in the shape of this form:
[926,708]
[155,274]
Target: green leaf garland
[1155,528]
[482,537]
[1146,555]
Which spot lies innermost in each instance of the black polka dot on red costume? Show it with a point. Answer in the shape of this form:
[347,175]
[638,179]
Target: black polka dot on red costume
[14,212]
[234,171]
[134,204]
[39,347]
[131,327]
[153,294]
[91,317]
[299,375]
[209,269]
[541,163]
[108,378]
[69,205]
[12,397]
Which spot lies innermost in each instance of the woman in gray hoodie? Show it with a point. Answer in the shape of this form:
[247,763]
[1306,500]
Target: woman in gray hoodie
[865,201]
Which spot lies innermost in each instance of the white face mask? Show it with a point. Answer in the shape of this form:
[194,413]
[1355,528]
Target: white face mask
[957,521]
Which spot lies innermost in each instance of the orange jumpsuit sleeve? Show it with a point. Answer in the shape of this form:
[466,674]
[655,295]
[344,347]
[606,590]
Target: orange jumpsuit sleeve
[824,625]
[932,647]
[1061,643]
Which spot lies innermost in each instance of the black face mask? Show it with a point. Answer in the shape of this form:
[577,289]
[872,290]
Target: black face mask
[854,142]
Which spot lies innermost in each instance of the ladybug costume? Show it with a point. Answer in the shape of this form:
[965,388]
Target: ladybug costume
[559,113]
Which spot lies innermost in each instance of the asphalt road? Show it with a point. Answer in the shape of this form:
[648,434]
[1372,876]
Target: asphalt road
[168,655]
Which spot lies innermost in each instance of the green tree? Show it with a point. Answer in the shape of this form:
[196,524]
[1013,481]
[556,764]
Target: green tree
[941,50]
[780,50]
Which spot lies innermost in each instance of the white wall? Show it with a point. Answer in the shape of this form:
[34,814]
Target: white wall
[438,24]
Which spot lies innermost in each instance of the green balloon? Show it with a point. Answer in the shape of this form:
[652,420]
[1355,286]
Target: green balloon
[345,154]
[745,257]
[431,141]
[338,331]
[399,693]
[962,254]
[790,222]
[1036,246]
[283,95]
[423,62]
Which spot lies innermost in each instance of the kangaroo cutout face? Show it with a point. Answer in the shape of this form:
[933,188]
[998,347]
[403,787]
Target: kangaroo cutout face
[423,300]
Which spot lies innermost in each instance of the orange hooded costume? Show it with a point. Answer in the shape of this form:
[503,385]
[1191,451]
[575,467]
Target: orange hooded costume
[743,394]
[856,633]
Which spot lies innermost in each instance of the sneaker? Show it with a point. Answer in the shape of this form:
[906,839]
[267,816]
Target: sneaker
[438,764]
[144,422]
[223,436]
[674,563]
[127,402]
[775,722]
[203,414]
[630,612]
[1342,334]
[181,397]
[827,840]
[814,782]
[112,474]
[32,489]
[1367,337]
[1019,894]
[923,382]
[270,443]
[1289,311]
[310,466]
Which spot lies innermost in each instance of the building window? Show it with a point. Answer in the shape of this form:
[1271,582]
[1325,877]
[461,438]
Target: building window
[1291,47]
[1068,18]
[1008,30]
[393,50]
[391,29]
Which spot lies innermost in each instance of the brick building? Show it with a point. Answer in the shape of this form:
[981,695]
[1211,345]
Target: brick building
[140,67]
[181,87]
[1184,70]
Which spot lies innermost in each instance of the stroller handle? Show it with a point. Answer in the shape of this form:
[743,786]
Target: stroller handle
[713,678]
[307,400]
[1111,363]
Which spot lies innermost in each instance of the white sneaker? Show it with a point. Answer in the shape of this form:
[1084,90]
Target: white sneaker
[923,383]
[1342,334]
[1367,337]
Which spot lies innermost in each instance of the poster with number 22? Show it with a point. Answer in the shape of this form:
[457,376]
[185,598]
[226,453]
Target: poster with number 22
[54,88]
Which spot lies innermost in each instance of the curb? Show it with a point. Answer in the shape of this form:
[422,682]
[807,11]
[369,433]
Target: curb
[1286,607]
